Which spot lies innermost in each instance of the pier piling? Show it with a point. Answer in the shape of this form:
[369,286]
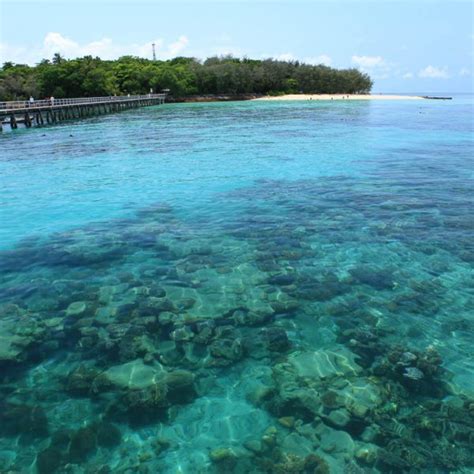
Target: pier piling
[41,111]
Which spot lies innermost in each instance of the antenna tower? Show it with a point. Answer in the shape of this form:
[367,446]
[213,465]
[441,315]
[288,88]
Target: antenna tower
[154,53]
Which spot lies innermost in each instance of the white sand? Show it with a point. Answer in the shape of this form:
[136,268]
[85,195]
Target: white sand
[341,97]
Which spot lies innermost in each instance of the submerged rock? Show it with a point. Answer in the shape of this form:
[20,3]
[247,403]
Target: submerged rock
[285,463]
[252,318]
[323,289]
[332,399]
[253,445]
[333,441]
[282,279]
[27,421]
[78,308]
[323,363]
[417,371]
[296,444]
[10,345]
[367,454]
[285,305]
[180,384]
[17,338]
[146,397]
[183,333]
[276,339]
[287,421]
[339,418]
[49,460]
[80,380]
[108,435]
[155,305]
[133,375]
[413,373]
[205,332]
[222,454]
[179,379]
[226,350]
[83,442]
[146,400]
[377,279]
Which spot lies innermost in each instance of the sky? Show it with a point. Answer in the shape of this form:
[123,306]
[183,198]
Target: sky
[405,45]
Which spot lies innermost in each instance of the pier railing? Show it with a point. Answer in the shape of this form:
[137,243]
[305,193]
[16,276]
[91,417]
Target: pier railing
[22,104]
[50,111]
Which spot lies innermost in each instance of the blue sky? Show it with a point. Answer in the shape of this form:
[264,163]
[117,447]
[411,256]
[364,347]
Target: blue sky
[406,46]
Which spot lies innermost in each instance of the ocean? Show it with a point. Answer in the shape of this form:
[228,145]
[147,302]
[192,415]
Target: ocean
[240,287]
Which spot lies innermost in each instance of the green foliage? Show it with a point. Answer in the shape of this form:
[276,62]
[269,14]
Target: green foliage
[17,81]
[88,76]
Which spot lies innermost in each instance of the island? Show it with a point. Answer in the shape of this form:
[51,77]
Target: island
[224,78]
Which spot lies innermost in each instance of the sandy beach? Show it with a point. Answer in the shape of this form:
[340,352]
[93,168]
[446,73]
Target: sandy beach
[341,97]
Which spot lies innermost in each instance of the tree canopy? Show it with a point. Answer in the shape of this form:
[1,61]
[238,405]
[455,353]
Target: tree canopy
[89,76]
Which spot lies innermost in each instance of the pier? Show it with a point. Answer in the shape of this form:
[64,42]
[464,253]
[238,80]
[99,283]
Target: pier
[50,111]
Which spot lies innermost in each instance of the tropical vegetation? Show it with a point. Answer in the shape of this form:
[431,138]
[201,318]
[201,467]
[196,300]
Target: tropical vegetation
[89,76]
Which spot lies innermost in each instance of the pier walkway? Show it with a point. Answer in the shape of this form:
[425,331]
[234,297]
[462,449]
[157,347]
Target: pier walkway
[50,111]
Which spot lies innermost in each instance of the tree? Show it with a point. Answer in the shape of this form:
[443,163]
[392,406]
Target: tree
[89,76]
[57,58]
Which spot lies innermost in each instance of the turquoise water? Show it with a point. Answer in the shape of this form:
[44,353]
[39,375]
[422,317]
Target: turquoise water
[250,287]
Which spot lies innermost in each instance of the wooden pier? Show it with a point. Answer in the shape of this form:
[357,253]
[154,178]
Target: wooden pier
[50,111]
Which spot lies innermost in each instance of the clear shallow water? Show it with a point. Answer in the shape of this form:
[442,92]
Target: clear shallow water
[240,287]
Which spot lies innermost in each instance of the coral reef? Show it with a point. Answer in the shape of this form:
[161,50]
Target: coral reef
[270,345]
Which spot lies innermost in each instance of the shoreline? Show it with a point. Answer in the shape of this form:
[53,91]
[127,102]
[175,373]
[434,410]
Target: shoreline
[293,97]
[340,97]
[297,97]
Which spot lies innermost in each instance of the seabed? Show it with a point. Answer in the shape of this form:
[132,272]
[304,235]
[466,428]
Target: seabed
[308,325]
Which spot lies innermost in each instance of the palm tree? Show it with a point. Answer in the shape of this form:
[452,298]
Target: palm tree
[57,58]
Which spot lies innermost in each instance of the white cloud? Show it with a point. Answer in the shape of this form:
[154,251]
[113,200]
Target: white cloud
[174,49]
[321,59]
[368,62]
[376,66]
[285,57]
[464,72]
[7,53]
[105,48]
[433,72]
[408,75]
[102,47]
[56,43]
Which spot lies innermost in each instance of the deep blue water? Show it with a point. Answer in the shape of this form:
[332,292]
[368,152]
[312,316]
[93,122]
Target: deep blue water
[240,287]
